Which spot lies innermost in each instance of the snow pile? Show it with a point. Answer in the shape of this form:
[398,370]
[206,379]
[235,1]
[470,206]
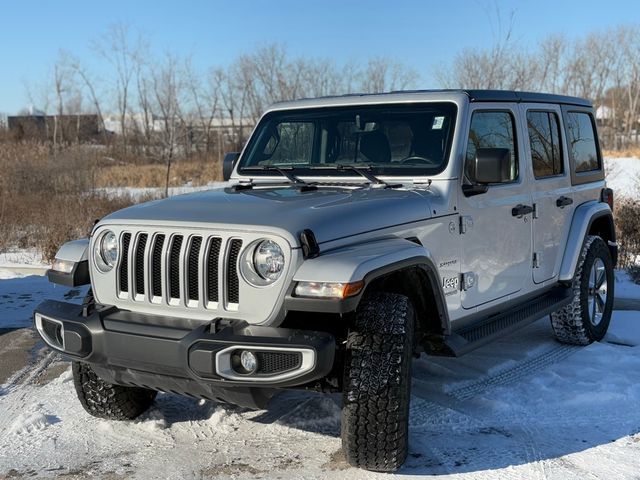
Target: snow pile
[138,194]
[625,287]
[623,176]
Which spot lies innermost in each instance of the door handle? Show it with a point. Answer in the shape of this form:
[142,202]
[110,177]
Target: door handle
[520,210]
[563,201]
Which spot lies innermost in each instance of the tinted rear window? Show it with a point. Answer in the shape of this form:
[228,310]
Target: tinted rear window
[544,138]
[581,137]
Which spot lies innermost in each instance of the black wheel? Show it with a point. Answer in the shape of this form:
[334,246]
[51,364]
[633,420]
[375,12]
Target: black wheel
[586,319]
[105,400]
[377,383]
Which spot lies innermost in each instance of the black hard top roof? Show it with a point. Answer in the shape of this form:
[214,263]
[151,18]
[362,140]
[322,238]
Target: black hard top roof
[518,97]
[474,96]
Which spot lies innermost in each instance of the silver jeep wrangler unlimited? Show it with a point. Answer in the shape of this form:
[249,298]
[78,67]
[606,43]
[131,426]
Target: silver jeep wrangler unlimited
[358,232]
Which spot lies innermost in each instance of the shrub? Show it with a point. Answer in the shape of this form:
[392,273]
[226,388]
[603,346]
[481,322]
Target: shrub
[627,219]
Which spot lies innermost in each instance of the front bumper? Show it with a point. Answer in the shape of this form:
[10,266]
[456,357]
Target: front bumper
[183,356]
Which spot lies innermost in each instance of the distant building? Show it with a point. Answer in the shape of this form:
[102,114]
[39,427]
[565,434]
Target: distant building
[68,128]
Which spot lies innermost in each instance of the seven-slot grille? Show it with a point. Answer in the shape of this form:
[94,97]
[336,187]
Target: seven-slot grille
[177,269]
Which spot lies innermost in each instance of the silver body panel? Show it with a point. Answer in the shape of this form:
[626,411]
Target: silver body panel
[360,229]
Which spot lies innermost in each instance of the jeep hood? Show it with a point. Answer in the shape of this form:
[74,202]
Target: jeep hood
[330,212]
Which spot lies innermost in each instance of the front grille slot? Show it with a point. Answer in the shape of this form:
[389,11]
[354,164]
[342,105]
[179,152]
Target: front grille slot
[193,269]
[139,263]
[174,267]
[124,265]
[180,269]
[156,266]
[233,282]
[213,257]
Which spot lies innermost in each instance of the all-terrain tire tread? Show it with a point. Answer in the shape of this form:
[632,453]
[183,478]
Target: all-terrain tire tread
[377,387]
[105,400]
[570,324]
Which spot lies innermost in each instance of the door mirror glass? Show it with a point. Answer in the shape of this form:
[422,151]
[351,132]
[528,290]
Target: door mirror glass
[228,163]
[492,165]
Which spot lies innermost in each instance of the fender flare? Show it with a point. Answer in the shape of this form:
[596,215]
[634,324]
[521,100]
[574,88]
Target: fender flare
[367,262]
[76,255]
[583,218]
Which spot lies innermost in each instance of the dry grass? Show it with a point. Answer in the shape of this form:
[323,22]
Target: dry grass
[629,152]
[48,197]
[197,172]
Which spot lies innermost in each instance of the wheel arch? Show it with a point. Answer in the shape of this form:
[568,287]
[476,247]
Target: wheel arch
[394,265]
[592,218]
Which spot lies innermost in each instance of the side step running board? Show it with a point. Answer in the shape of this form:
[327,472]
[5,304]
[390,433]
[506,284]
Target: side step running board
[482,332]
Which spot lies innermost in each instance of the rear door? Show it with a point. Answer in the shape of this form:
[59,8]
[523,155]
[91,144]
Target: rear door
[550,187]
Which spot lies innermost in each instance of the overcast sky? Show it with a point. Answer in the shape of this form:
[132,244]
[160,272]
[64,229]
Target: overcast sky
[422,34]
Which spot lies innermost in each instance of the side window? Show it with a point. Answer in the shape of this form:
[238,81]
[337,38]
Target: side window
[491,130]
[544,138]
[581,137]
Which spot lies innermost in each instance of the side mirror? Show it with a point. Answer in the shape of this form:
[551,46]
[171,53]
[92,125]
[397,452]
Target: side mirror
[492,165]
[228,163]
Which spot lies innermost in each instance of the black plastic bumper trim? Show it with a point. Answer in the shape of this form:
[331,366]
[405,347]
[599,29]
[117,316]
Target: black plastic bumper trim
[143,346]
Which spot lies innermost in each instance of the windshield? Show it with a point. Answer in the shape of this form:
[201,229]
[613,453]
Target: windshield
[403,140]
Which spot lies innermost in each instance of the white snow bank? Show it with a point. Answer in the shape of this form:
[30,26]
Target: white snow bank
[22,258]
[625,287]
[625,330]
[157,192]
[623,176]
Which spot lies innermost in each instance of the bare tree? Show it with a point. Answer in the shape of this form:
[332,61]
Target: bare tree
[381,74]
[116,49]
[167,89]
[89,83]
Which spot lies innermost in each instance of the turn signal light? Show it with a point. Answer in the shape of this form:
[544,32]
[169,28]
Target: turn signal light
[336,290]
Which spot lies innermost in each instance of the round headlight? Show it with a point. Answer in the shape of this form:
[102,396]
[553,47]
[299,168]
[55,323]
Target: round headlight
[268,260]
[107,251]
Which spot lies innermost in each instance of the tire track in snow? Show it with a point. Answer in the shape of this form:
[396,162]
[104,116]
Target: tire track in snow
[423,409]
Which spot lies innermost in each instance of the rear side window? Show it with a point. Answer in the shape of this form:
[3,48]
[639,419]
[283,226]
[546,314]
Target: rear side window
[491,130]
[544,138]
[581,138]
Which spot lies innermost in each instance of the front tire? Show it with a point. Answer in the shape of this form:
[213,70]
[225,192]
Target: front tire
[586,319]
[106,400]
[377,383]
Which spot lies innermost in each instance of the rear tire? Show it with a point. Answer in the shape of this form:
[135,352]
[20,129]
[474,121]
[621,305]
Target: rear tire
[106,400]
[377,383]
[586,319]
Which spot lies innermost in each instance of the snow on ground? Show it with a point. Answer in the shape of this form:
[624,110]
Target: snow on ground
[523,407]
[20,293]
[623,176]
[157,192]
[625,287]
[526,407]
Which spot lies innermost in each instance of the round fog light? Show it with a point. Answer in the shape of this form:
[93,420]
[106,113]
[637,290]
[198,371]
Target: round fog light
[248,361]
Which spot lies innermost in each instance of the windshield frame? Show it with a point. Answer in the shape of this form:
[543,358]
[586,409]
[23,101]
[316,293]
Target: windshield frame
[310,113]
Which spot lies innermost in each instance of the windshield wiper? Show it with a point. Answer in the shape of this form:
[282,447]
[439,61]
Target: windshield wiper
[285,172]
[364,171]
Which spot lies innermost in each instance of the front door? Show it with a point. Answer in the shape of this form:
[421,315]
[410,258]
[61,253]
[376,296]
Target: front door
[496,243]
[550,187]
